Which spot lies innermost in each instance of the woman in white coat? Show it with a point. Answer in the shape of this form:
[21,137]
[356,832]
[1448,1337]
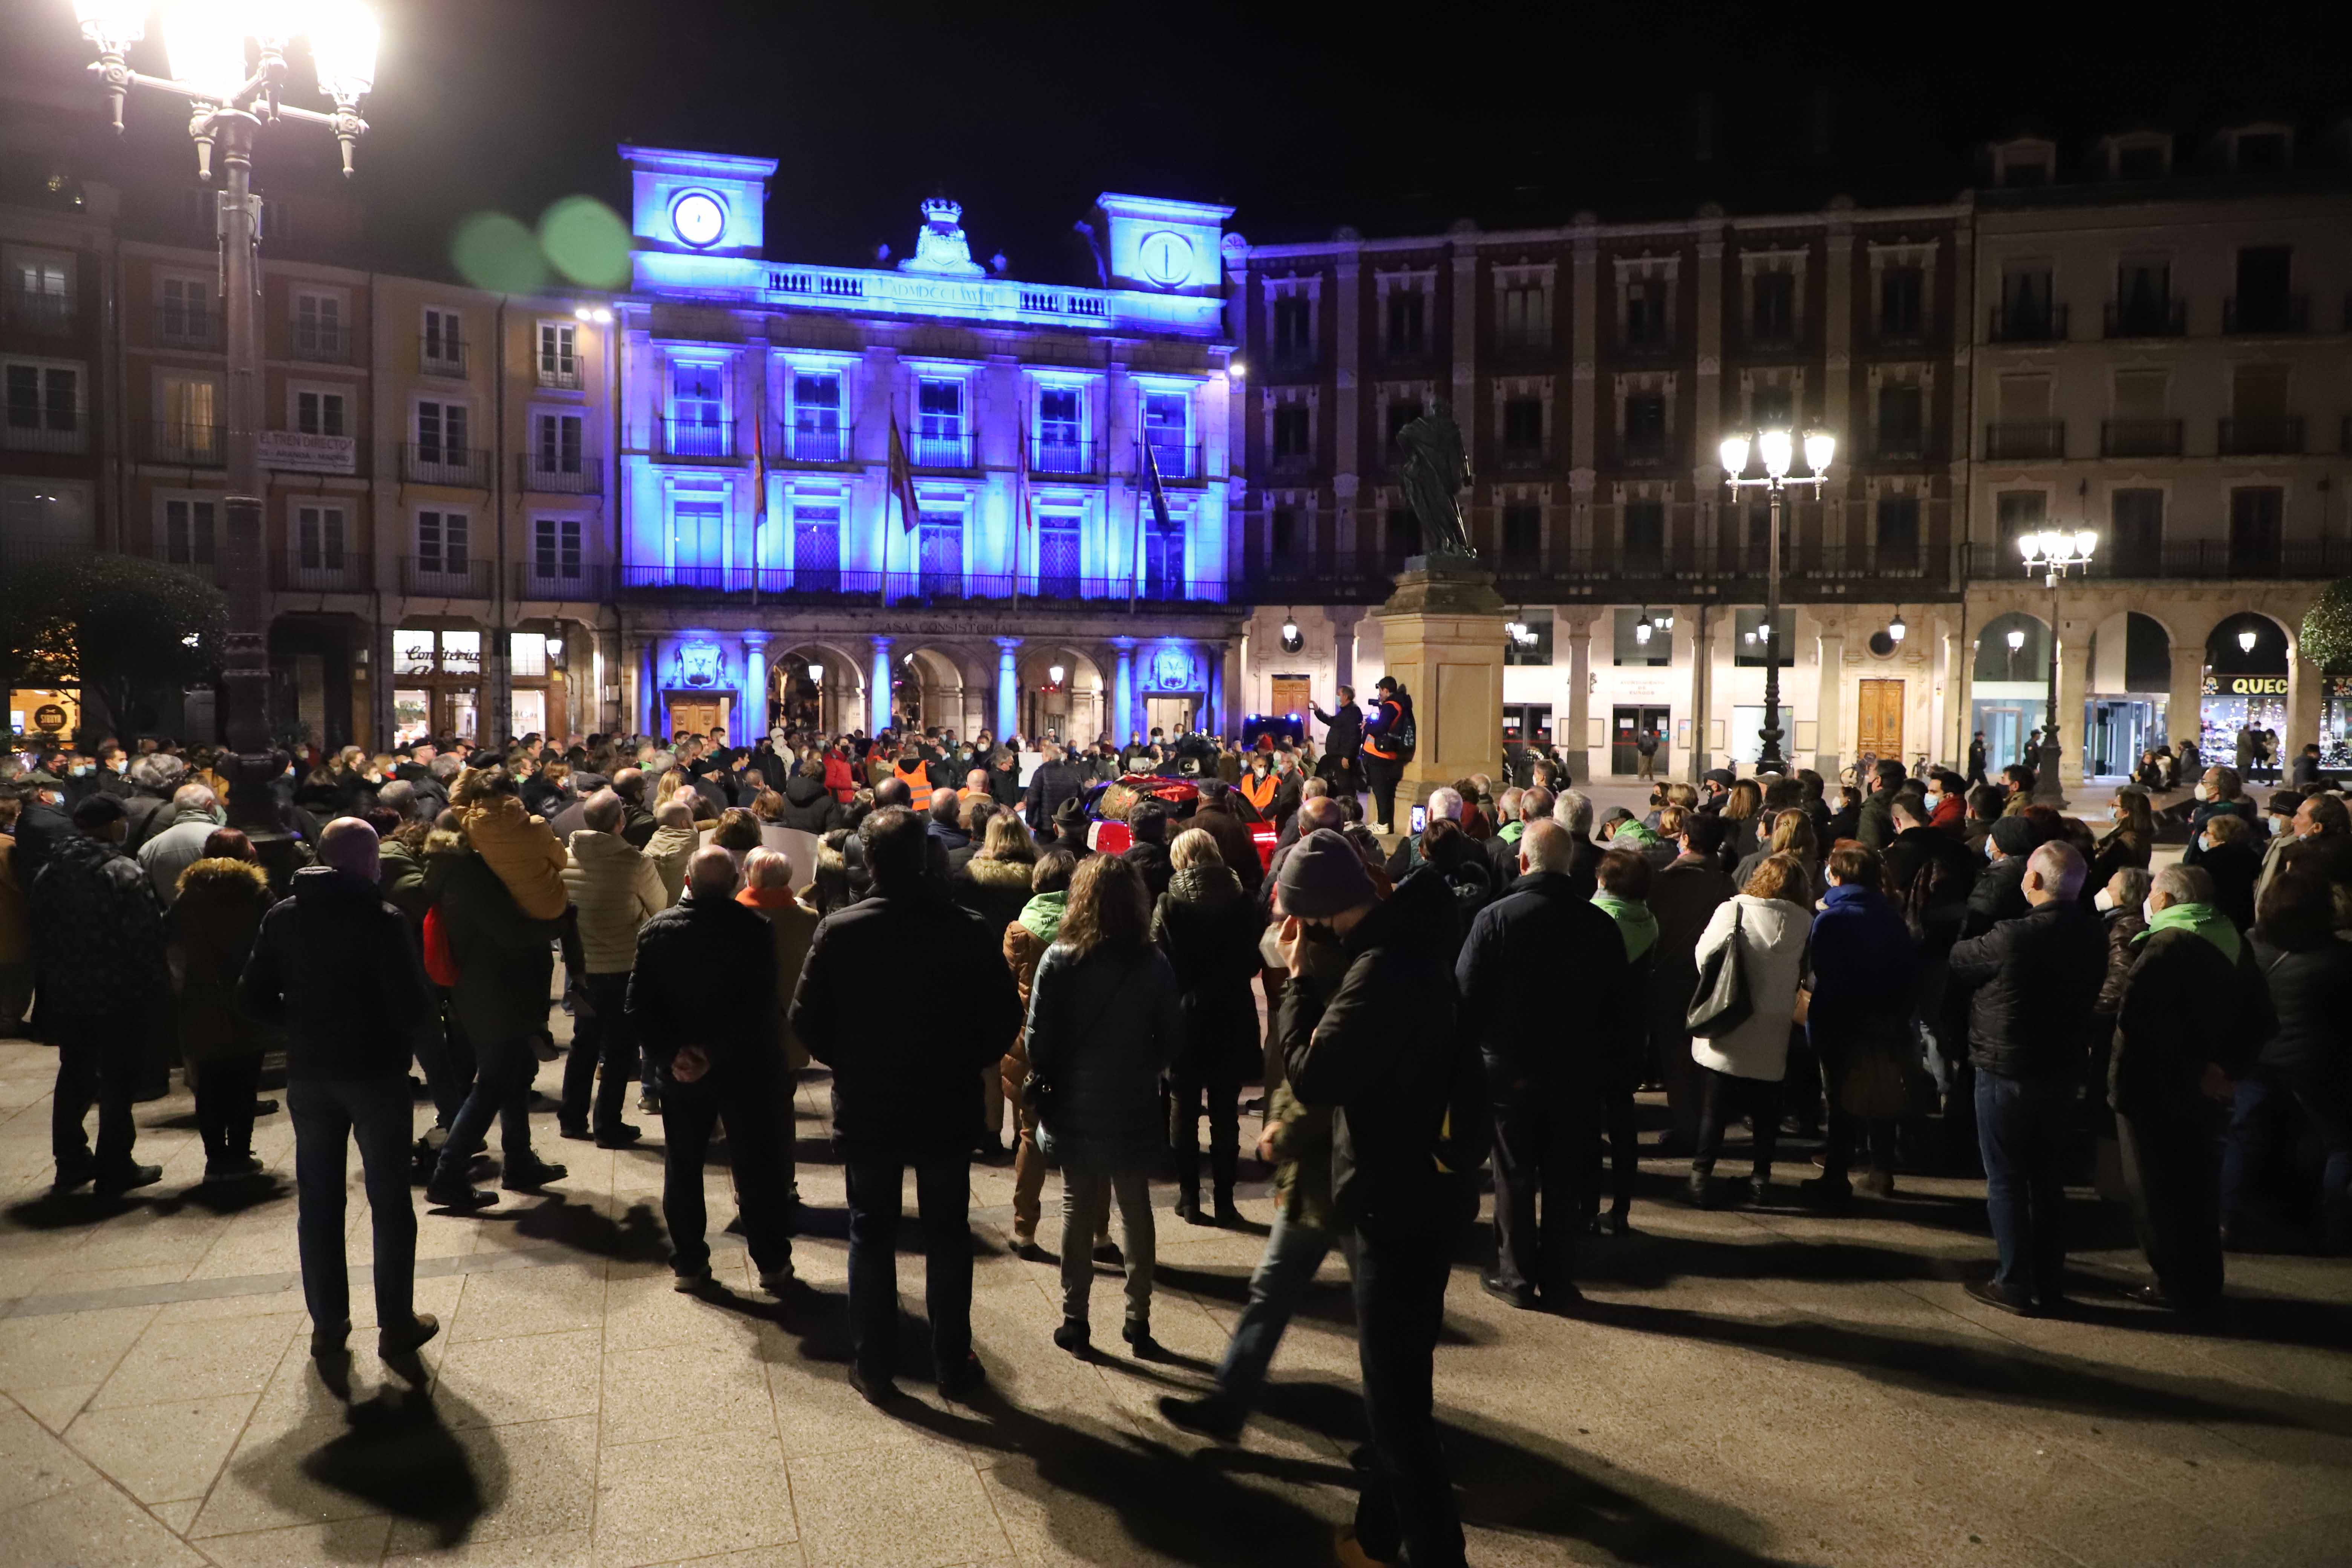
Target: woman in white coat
[1740,1071]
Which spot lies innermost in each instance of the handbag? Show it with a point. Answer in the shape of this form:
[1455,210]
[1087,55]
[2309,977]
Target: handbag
[1721,1003]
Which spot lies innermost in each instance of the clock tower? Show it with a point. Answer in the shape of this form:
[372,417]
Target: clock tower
[696,204]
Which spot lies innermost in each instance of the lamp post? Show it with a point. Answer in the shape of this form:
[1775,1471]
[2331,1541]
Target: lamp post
[2054,553]
[1776,448]
[229,102]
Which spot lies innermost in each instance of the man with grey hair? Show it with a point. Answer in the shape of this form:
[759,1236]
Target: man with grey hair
[614,890]
[1573,811]
[2194,1009]
[397,794]
[148,806]
[196,812]
[2032,981]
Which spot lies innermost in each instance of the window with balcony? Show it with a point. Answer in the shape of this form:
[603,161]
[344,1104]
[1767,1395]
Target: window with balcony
[2028,312]
[2142,161]
[1646,314]
[1163,559]
[2141,426]
[2144,306]
[441,432]
[45,409]
[1523,429]
[1522,537]
[1902,301]
[817,430]
[1061,431]
[1293,433]
[559,358]
[817,546]
[442,349]
[2025,432]
[1898,533]
[1408,320]
[187,314]
[556,550]
[441,544]
[1754,546]
[698,410]
[1168,431]
[1533,647]
[317,412]
[698,540]
[1645,428]
[320,331]
[1057,555]
[1286,549]
[1773,308]
[1902,426]
[1646,536]
[1523,317]
[2259,423]
[1755,639]
[191,532]
[939,424]
[2257,528]
[940,552]
[1294,329]
[40,291]
[190,429]
[559,444]
[320,533]
[2135,546]
[2015,514]
[2264,301]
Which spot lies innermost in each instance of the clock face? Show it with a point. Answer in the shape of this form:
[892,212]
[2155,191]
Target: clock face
[1166,258]
[697,218]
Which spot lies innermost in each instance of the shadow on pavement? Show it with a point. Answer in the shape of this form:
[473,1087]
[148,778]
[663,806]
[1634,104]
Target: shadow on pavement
[397,1452]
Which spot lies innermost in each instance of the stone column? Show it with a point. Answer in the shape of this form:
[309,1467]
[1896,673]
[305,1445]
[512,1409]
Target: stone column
[2187,703]
[1702,690]
[1829,704]
[1123,717]
[1443,638]
[1008,686]
[751,721]
[2303,687]
[1953,728]
[878,700]
[1343,645]
[1585,329]
[2073,693]
[1572,738]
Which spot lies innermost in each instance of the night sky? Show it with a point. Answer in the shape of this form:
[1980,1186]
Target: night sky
[1303,117]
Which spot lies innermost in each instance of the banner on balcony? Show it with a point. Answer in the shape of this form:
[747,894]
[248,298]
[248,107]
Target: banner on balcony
[296,452]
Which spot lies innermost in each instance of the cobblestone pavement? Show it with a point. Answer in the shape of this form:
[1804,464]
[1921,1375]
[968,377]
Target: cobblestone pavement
[1747,1386]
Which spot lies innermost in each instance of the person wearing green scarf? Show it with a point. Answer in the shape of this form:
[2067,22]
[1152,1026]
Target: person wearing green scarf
[1041,916]
[2203,920]
[1634,921]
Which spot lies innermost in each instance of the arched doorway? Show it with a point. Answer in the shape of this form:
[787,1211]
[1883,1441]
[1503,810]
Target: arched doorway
[2127,692]
[817,687]
[2010,688]
[930,690]
[2243,715]
[1061,691]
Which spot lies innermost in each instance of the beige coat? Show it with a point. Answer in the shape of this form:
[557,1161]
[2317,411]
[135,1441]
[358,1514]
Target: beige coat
[669,849]
[616,888]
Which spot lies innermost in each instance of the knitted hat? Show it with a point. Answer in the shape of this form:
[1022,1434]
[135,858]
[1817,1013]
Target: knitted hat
[2014,836]
[1322,876]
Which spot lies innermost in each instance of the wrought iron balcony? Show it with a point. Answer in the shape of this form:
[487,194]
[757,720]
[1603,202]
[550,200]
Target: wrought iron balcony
[942,452]
[582,582]
[2149,319]
[583,476]
[177,441]
[2027,324]
[814,443]
[1073,458]
[2024,440]
[1179,463]
[2243,313]
[35,310]
[829,584]
[698,439]
[460,576]
[2262,436]
[2140,437]
[436,463]
[187,327]
[441,354]
[322,343]
[346,571]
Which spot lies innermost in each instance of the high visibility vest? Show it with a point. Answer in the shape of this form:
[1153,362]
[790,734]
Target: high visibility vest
[918,782]
[1260,792]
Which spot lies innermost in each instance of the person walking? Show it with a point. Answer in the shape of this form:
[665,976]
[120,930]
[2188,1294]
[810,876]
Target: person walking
[1646,748]
[2195,1010]
[905,1097]
[1741,1069]
[2032,982]
[1863,989]
[101,991]
[214,917]
[1546,1067]
[335,967]
[1104,1024]
[702,997]
[1976,775]
[1379,1048]
[614,890]
[1208,929]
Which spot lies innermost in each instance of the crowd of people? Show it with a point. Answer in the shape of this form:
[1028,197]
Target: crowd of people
[1929,974]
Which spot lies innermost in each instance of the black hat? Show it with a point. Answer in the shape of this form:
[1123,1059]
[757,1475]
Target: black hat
[98,811]
[1323,875]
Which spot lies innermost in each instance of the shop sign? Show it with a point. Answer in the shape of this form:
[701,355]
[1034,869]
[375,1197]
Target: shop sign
[412,652]
[296,452]
[49,718]
[2253,685]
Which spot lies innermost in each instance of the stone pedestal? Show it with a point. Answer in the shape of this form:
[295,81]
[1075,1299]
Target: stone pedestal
[1442,638]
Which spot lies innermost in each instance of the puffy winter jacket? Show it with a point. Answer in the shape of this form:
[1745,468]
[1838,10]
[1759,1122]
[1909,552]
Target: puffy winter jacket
[1102,1030]
[1772,933]
[521,848]
[706,975]
[995,891]
[1208,928]
[2187,1004]
[2035,980]
[504,960]
[335,965]
[1526,954]
[670,848]
[214,922]
[616,890]
[2311,991]
[98,939]
[808,806]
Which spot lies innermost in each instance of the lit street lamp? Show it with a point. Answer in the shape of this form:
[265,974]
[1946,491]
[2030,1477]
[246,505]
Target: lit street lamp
[1776,448]
[205,42]
[2054,553]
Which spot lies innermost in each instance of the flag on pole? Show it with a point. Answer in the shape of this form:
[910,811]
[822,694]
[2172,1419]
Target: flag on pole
[902,480]
[1158,496]
[1027,521]
[759,489]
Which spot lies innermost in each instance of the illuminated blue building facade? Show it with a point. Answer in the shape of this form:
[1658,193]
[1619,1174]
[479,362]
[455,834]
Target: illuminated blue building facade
[762,556]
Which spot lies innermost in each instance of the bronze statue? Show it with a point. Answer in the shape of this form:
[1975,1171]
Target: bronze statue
[1434,472]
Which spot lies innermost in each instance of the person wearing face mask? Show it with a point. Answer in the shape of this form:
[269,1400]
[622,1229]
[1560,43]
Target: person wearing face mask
[2120,904]
[2218,793]
[2129,841]
[2230,858]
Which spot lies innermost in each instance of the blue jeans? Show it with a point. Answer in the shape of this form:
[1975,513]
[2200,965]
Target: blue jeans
[2022,1131]
[502,1075]
[329,1115]
[1293,1253]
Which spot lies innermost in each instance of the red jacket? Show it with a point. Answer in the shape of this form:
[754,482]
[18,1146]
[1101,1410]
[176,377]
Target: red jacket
[838,779]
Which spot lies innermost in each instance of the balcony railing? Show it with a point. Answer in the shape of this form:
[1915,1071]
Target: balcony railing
[2140,437]
[2024,440]
[324,571]
[2156,319]
[1178,463]
[584,582]
[583,478]
[1291,361]
[560,375]
[33,310]
[188,446]
[180,327]
[465,577]
[1532,456]
[2302,560]
[1650,451]
[831,584]
[322,343]
[2262,436]
[1074,458]
[469,467]
[2266,313]
[694,439]
[1650,349]
[41,435]
[441,356]
[942,452]
[1899,446]
[1681,575]
[1524,347]
[2027,324]
[814,444]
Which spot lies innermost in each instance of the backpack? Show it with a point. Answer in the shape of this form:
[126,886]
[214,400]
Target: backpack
[440,963]
[1403,735]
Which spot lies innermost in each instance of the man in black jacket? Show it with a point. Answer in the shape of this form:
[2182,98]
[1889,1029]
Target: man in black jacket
[1545,1065]
[2036,979]
[1875,828]
[1341,740]
[1056,781]
[702,997]
[2195,1008]
[335,966]
[905,1096]
[1385,1053]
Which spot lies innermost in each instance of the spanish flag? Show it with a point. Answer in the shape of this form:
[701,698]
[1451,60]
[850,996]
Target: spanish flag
[902,480]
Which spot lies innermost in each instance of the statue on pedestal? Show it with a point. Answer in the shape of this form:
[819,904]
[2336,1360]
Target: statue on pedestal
[1434,472]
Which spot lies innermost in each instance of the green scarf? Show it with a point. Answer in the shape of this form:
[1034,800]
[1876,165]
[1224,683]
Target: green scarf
[1637,833]
[1634,921]
[1041,916]
[1511,831]
[2203,919]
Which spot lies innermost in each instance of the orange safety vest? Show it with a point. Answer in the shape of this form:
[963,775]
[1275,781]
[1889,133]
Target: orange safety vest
[1260,792]
[918,783]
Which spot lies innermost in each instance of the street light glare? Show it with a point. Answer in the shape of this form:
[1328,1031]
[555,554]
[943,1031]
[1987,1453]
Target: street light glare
[114,21]
[1236,371]
[1734,452]
[343,43]
[1820,447]
[2016,638]
[1777,448]
[2246,639]
[204,42]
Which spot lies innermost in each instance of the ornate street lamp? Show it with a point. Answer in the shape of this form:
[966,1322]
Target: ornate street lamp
[1777,450]
[2054,553]
[205,42]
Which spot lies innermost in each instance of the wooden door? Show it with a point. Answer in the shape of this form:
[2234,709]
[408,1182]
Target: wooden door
[692,715]
[1878,723]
